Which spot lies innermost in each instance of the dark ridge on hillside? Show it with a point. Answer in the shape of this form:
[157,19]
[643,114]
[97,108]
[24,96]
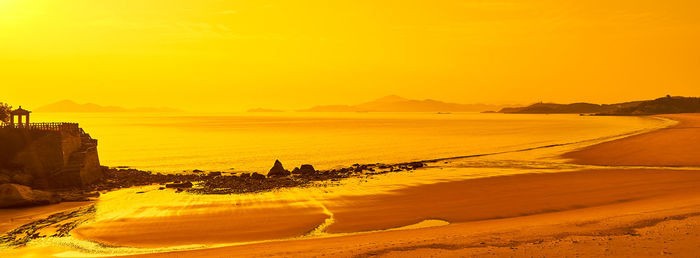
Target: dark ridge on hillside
[574,108]
[665,105]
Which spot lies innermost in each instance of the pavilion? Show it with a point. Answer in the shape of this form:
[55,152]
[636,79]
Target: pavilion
[19,113]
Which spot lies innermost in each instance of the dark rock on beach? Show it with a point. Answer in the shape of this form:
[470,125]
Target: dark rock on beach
[307,169]
[14,195]
[257,176]
[416,165]
[278,170]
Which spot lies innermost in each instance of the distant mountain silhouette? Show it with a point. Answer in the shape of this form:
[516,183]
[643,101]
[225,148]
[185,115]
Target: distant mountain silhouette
[393,103]
[263,110]
[69,106]
[665,105]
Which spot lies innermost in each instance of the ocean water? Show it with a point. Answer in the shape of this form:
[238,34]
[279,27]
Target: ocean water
[253,141]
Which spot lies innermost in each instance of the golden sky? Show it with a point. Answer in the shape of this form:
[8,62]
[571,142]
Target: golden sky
[215,55]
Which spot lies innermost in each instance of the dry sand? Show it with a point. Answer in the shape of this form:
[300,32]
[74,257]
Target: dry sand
[675,146]
[603,212]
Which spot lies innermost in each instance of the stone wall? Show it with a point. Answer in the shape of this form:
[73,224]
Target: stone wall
[70,142]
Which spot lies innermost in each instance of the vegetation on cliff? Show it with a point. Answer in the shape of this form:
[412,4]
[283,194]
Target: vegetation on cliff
[5,110]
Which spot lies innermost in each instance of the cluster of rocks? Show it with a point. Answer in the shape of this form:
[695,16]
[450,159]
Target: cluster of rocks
[206,183]
[245,183]
[14,195]
[218,183]
[123,178]
[308,173]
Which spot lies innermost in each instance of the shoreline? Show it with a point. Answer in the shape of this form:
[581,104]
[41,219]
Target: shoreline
[650,205]
[239,182]
[487,216]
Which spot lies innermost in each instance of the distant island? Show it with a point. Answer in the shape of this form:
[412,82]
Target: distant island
[68,106]
[395,103]
[263,110]
[664,105]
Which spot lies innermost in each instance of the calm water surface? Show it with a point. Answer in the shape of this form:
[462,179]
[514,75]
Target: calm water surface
[252,142]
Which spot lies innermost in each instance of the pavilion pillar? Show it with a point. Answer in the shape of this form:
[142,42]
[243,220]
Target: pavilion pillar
[12,120]
[27,120]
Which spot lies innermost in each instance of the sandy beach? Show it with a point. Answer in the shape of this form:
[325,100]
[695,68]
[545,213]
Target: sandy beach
[615,210]
[592,212]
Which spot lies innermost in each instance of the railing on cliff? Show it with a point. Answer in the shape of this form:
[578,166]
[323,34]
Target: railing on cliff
[58,127]
[46,126]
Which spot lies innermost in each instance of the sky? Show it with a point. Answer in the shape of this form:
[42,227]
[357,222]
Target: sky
[221,56]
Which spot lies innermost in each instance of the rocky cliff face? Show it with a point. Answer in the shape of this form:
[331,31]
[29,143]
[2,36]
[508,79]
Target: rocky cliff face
[61,157]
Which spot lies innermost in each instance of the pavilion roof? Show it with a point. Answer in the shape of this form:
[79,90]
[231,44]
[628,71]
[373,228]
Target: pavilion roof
[20,111]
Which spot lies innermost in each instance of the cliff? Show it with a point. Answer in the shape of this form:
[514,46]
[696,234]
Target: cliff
[48,156]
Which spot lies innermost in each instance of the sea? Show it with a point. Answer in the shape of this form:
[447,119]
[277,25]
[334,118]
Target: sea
[251,142]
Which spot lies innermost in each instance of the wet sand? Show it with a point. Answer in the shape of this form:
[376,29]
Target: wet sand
[507,196]
[593,212]
[146,217]
[522,212]
[230,226]
[12,218]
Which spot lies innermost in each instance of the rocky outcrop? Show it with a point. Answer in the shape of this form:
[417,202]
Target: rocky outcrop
[14,195]
[257,176]
[49,156]
[278,170]
[306,170]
